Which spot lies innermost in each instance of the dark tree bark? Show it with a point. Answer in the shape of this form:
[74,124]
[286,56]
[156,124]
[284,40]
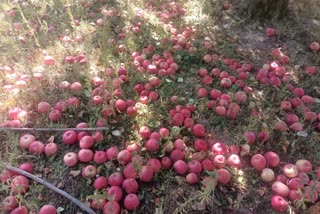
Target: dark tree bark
[266,9]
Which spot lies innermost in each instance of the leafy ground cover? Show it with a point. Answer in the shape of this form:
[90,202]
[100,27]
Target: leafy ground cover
[181,98]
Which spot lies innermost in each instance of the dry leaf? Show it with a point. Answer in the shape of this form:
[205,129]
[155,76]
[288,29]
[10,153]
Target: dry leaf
[180,180]
[75,173]
[40,197]
[262,190]
[60,184]
[80,114]
[51,139]
[199,206]
[285,146]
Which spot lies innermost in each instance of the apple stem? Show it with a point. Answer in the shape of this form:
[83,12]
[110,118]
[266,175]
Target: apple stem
[54,129]
[53,188]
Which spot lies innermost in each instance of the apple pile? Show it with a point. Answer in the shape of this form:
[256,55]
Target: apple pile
[19,185]
[123,184]
[297,181]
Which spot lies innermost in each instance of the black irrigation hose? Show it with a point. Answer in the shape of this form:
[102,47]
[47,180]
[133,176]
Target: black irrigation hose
[53,188]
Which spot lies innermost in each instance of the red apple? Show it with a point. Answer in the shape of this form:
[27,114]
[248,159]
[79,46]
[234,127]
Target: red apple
[43,107]
[180,167]
[85,155]
[9,203]
[250,137]
[19,210]
[86,142]
[219,148]
[50,149]
[166,162]
[199,130]
[82,125]
[280,188]
[233,149]
[223,176]
[89,171]
[207,164]
[19,184]
[100,183]
[48,209]
[114,193]
[55,115]
[200,145]
[267,175]
[192,178]
[100,157]
[111,207]
[36,148]
[304,165]
[279,204]
[195,166]
[124,157]
[314,46]
[130,171]
[295,183]
[282,178]
[120,105]
[179,144]
[130,185]
[49,60]
[115,179]
[155,164]
[294,195]
[76,87]
[145,132]
[270,31]
[27,167]
[234,160]
[219,161]
[131,201]
[215,94]
[152,145]
[64,85]
[258,162]
[290,170]
[176,155]
[26,140]
[98,203]
[112,153]
[146,173]
[70,159]
[304,177]
[272,159]
[69,137]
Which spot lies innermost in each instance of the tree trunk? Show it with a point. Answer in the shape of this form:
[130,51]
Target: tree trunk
[266,9]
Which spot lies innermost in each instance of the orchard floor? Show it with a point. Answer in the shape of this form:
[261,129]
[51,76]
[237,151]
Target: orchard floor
[232,37]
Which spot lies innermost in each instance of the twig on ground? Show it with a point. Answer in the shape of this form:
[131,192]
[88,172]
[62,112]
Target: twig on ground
[53,129]
[53,188]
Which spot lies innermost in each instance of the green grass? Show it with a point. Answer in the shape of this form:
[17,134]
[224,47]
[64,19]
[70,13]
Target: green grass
[101,47]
